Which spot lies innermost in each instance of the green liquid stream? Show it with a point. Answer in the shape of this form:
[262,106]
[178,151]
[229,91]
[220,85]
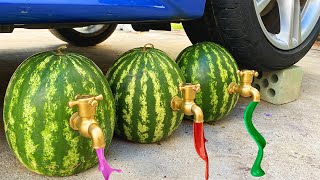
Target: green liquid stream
[256,169]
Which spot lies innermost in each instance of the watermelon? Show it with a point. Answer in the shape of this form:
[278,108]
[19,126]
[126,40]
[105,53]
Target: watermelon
[143,82]
[213,67]
[36,115]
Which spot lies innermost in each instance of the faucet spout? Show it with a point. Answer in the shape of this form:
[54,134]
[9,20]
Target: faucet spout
[197,113]
[255,94]
[97,136]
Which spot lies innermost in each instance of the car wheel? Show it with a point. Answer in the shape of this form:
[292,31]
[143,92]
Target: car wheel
[261,34]
[85,36]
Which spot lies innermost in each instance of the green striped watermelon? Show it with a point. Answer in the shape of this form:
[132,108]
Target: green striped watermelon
[36,114]
[213,67]
[143,82]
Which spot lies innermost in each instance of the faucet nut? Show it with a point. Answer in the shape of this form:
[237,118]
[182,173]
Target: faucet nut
[176,103]
[231,88]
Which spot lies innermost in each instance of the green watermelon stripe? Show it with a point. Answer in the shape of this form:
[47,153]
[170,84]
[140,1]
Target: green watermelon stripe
[71,159]
[87,80]
[159,107]
[133,77]
[120,60]
[163,76]
[173,91]
[122,65]
[234,97]
[190,67]
[13,92]
[224,51]
[32,80]
[143,113]
[223,109]
[222,78]
[123,75]
[51,107]
[234,64]
[213,90]
[140,119]
[206,87]
[44,70]
[128,110]
[233,67]
[172,66]
[185,61]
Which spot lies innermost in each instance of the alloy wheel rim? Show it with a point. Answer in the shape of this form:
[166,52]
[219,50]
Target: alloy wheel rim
[297,20]
[90,29]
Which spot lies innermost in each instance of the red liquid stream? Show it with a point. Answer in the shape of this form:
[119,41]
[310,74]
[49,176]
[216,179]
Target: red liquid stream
[104,167]
[199,143]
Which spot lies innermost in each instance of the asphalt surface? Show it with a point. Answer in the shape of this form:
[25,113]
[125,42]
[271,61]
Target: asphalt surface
[292,130]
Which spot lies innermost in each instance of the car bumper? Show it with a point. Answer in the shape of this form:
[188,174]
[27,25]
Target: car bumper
[62,11]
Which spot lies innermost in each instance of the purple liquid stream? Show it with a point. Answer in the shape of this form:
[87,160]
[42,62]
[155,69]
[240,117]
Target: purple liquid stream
[104,167]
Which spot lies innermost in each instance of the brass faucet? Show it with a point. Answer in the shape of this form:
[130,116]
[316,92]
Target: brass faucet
[187,104]
[84,120]
[245,89]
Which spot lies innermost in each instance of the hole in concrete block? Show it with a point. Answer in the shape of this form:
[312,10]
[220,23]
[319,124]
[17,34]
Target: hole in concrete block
[271,92]
[274,78]
[259,76]
[265,83]
[257,86]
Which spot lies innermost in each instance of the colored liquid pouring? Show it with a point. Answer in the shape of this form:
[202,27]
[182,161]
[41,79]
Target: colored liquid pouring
[199,143]
[256,169]
[104,167]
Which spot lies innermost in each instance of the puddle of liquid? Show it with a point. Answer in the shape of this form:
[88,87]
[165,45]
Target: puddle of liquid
[104,167]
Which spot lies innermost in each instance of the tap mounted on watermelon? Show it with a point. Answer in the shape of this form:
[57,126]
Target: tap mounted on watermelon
[246,90]
[36,115]
[144,80]
[189,107]
[84,121]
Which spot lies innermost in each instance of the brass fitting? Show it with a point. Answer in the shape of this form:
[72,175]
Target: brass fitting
[187,104]
[84,120]
[245,89]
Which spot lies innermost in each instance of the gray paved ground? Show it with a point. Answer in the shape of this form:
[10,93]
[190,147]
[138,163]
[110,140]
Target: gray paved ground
[291,130]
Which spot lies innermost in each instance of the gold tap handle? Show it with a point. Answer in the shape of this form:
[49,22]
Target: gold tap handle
[72,103]
[196,88]
[99,97]
[187,86]
[240,73]
[253,72]
[93,103]
[95,100]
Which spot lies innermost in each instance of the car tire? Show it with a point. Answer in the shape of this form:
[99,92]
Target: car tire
[235,25]
[83,38]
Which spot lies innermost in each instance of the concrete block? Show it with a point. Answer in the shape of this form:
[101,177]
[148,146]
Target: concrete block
[280,87]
